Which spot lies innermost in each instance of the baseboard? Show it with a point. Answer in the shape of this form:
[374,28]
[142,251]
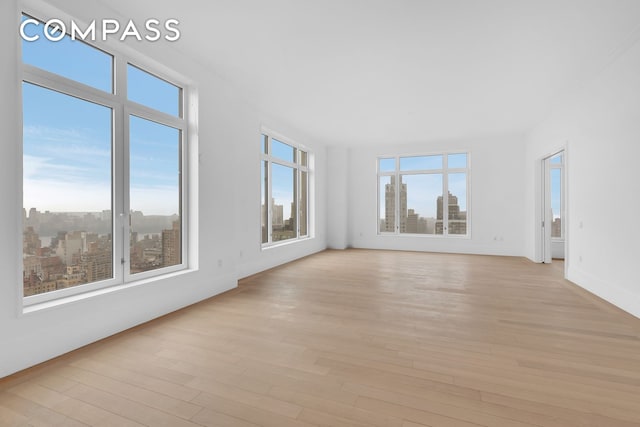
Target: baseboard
[608,291]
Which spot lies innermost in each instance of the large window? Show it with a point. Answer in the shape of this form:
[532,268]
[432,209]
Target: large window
[284,192]
[103,169]
[424,195]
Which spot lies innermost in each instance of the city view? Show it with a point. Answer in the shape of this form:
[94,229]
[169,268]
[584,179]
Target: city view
[65,249]
[282,228]
[410,220]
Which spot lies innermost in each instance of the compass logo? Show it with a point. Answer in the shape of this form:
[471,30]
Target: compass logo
[56,29]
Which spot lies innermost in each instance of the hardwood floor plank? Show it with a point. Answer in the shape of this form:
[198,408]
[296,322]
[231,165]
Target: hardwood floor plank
[247,412]
[179,408]
[127,408]
[261,401]
[336,409]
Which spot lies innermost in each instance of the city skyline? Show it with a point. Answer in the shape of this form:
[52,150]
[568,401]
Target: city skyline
[410,220]
[65,249]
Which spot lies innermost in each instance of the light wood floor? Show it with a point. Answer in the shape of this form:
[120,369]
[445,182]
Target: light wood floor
[357,338]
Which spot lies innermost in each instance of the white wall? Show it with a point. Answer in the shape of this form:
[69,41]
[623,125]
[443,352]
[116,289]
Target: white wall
[228,200]
[337,198]
[599,123]
[496,197]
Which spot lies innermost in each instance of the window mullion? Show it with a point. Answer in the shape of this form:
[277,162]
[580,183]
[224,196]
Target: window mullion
[396,196]
[121,169]
[445,204]
[269,200]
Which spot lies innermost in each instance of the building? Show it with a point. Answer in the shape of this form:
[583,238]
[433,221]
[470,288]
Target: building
[171,243]
[457,219]
[390,206]
[510,83]
[412,221]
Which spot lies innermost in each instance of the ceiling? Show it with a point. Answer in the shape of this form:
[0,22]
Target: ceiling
[350,72]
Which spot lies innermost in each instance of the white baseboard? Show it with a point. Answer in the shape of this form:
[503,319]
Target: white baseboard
[611,292]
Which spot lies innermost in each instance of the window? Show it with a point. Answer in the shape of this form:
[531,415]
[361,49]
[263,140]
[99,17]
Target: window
[424,195]
[557,198]
[285,190]
[103,169]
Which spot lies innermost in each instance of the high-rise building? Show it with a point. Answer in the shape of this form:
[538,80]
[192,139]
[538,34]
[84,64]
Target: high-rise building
[171,254]
[277,214]
[390,206]
[97,262]
[412,221]
[457,218]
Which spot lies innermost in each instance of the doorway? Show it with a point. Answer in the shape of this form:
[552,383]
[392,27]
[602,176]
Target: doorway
[553,207]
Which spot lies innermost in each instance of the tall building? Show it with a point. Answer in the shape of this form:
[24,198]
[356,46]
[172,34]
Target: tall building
[390,206]
[457,218]
[97,262]
[171,241]
[412,221]
[277,214]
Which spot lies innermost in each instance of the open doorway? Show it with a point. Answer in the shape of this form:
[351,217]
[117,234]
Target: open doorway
[553,207]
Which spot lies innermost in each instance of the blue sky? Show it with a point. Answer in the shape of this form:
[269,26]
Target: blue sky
[556,195]
[68,141]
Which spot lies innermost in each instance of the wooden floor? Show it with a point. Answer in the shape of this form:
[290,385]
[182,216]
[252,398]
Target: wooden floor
[357,338]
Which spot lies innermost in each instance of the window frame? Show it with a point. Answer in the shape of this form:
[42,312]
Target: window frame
[266,156]
[122,108]
[444,171]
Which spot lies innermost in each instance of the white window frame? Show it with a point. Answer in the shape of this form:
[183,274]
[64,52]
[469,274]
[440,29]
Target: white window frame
[444,171]
[299,168]
[121,108]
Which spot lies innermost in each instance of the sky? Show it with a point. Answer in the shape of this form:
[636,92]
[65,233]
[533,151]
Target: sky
[67,142]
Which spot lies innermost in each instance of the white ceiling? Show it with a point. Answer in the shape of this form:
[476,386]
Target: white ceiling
[373,71]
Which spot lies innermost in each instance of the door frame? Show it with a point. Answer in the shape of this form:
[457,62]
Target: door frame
[543,211]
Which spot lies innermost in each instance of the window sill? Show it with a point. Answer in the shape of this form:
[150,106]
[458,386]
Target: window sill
[427,236]
[72,299]
[285,243]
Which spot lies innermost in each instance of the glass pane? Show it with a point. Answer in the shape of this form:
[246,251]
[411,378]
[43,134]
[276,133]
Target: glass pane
[421,163]
[386,165]
[419,196]
[457,161]
[149,90]
[557,159]
[67,221]
[387,204]
[556,203]
[155,239]
[457,203]
[282,151]
[283,206]
[72,59]
[304,158]
[264,214]
[264,143]
[304,182]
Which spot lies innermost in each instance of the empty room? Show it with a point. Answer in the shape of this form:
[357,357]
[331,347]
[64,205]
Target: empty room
[320,213]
